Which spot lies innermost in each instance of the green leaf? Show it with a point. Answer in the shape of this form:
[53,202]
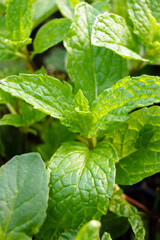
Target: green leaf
[53,97]
[92,69]
[67,7]
[44,92]
[122,208]
[143,22]
[137,227]
[106,236]
[137,143]
[125,96]
[54,31]
[24,195]
[42,10]
[19,19]
[18,236]
[111,31]
[89,231]
[81,183]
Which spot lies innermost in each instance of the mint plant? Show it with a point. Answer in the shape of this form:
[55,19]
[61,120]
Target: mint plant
[103,130]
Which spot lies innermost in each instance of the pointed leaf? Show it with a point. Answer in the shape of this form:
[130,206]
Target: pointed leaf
[24,195]
[53,97]
[92,69]
[111,31]
[81,183]
[54,31]
[138,143]
[89,231]
[125,96]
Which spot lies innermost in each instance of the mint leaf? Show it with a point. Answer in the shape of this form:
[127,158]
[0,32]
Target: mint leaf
[143,22]
[122,208]
[125,96]
[54,31]
[89,231]
[34,90]
[137,227]
[102,67]
[53,97]
[24,195]
[79,189]
[111,31]
[137,143]
[67,7]
[19,19]
[42,10]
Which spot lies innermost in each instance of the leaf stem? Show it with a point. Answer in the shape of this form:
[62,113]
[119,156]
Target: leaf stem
[29,62]
[82,139]
[94,141]
[11,108]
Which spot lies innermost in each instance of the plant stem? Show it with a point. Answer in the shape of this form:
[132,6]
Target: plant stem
[11,108]
[29,62]
[94,141]
[82,139]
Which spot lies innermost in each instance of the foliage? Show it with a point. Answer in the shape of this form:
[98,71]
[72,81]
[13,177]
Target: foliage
[94,125]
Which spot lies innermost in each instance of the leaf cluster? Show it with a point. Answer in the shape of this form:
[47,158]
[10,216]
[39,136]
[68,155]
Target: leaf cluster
[98,125]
